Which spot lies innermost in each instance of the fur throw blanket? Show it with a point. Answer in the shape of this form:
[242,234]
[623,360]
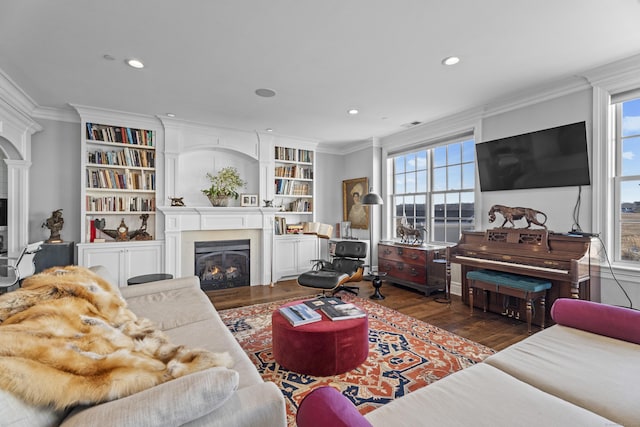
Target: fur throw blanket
[67,338]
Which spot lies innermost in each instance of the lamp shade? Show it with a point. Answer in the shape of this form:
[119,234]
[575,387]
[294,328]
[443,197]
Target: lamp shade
[371,198]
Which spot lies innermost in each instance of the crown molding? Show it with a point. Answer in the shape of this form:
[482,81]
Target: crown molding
[617,76]
[57,114]
[13,95]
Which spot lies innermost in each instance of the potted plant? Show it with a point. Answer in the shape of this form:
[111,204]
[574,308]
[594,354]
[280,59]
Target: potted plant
[224,185]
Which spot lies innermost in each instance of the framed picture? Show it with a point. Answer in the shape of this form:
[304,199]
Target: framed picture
[248,200]
[352,208]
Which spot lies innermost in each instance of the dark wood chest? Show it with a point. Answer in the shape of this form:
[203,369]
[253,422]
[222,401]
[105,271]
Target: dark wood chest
[419,267]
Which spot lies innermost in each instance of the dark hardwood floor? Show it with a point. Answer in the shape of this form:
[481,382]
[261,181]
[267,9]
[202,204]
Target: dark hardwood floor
[493,330]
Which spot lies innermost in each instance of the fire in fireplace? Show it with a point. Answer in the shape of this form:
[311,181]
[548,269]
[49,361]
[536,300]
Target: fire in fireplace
[222,264]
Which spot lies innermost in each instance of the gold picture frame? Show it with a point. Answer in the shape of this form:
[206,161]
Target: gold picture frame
[352,210]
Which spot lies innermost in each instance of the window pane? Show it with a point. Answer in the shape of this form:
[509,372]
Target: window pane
[630,238]
[454,178]
[410,183]
[399,184]
[468,176]
[631,117]
[421,160]
[439,179]
[421,182]
[411,162]
[631,156]
[398,204]
[438,205]
[455,153]
[399,164]
[468,151]
[439,156]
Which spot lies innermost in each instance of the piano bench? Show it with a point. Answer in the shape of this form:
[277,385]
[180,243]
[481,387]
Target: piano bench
[515,285]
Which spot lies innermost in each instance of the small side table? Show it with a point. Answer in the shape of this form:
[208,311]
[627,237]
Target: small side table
[376,281]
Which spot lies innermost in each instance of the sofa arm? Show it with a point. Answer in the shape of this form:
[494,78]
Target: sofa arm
[160,286]
[326,406]
[602,319]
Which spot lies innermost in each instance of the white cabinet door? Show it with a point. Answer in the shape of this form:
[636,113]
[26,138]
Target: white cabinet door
[293,255]
[123,260]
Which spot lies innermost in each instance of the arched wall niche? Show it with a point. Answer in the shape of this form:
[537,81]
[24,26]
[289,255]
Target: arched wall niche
[16,130]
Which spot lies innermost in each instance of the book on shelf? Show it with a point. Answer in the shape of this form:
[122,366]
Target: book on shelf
[343,311]
[318,303]
[300,314]
[321,229]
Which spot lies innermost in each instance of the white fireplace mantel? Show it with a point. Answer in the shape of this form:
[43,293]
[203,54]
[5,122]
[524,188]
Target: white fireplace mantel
[182,220]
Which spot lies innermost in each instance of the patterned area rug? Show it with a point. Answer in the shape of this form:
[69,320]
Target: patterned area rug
[405,354]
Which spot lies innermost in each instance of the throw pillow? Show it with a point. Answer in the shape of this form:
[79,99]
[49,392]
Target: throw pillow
[326,406]
[15,412]
[169,404]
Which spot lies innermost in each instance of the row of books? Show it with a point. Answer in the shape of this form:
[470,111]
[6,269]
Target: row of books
[126,157]
[308,311]
[294,172]
[120,204]
[299,205]
[119,134]
[293,155]
[120,180]
[281,227]
[284,187]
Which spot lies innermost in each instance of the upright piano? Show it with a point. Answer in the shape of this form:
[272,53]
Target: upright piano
[569,262]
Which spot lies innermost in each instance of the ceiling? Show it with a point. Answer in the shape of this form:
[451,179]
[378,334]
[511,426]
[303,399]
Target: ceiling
[205,58]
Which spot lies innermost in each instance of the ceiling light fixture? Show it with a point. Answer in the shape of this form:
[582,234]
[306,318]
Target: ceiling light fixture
[450,60]
[353,111]
[265,93]
[269,130]
[170,115]
[134,63]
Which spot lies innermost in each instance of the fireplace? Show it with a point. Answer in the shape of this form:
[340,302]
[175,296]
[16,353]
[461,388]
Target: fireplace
[222,264]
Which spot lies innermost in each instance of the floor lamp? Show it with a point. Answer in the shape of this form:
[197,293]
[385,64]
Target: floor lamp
[373,199]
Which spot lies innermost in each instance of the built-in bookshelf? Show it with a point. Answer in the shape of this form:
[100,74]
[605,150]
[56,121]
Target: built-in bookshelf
[119,166]
[294,179]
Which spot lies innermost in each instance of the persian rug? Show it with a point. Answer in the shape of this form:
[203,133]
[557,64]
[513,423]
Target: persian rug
[405,354]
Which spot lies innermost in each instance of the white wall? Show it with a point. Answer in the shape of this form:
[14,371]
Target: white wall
[557,203]
[55,179]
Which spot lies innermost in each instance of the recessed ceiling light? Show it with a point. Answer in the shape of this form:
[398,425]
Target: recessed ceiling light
[269,130]
[170,115]
[353,111]
[265,93]
[135,63]
[450,60]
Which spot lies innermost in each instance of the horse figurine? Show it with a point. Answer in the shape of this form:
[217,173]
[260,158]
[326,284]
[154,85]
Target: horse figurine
[406,232]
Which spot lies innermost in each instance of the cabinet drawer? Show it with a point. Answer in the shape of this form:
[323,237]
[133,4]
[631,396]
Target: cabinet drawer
[399,253]
[408,272]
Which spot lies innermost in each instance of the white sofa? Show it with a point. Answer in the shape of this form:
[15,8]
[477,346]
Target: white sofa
[583,371]
[214,397]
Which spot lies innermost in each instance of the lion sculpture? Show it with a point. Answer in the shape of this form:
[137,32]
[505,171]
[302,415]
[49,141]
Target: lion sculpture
[517,213]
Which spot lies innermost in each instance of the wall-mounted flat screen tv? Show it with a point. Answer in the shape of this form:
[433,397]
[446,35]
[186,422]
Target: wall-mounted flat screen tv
[555,157]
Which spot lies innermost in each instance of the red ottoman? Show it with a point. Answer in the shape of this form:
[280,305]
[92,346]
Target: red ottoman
[321,348]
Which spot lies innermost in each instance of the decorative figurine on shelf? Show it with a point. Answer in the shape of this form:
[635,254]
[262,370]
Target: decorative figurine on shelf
[511,214]
[268,203]
[410,235]
[176,201]
[141,233]
[54,223]
[120,234]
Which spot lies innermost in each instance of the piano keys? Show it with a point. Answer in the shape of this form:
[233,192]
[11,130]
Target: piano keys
[570,263]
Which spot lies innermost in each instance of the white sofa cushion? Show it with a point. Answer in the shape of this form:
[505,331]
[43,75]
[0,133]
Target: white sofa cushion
[481,396]
[589,370]
[169,404]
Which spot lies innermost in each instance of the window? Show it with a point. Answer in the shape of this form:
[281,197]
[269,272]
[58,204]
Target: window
[627,179]
[434,189]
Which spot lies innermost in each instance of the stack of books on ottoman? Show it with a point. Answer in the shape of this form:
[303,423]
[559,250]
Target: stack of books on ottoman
[300,314]
[335,308]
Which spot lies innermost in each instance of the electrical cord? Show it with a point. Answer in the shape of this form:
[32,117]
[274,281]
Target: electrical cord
[576,212]
[606,256]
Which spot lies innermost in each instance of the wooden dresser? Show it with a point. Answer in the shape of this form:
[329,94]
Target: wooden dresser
[419,267]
